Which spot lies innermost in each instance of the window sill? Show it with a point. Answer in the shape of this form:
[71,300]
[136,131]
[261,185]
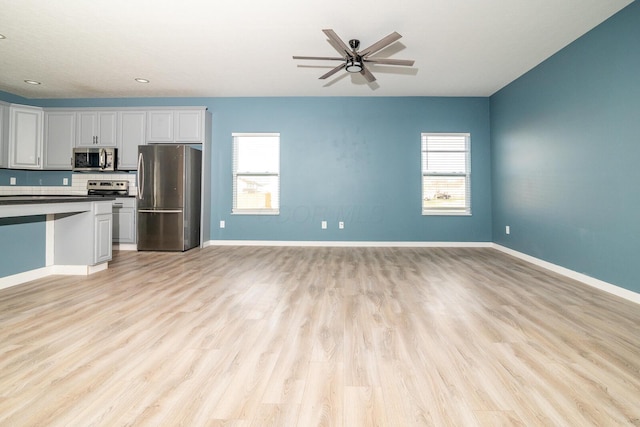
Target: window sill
[256,212]
[445,213]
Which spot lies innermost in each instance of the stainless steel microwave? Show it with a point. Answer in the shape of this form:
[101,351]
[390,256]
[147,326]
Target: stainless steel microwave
[94,159]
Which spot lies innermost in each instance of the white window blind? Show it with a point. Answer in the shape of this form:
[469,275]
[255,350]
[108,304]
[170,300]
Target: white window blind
[256,173]
[446,174]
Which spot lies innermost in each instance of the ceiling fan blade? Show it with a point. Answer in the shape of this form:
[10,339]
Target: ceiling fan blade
[338,42]
[380,44]
[323,58]
[367,74]
[389,61]
[333,71]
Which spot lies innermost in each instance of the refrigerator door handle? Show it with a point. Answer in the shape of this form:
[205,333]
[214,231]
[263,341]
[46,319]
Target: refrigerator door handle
[160,210]
[140,174]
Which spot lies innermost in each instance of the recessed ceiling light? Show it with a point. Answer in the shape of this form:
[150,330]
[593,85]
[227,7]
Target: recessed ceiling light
[139,80]
[2,37]
[32,82]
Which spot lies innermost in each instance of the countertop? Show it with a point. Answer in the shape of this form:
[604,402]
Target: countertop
[33,205]
[25,199]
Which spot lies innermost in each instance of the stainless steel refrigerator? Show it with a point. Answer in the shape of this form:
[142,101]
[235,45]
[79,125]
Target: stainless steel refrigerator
[168,197]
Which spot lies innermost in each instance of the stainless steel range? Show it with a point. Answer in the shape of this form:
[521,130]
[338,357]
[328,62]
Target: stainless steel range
[113,188]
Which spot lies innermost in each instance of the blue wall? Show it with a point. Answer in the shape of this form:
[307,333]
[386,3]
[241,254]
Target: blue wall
[565,155]
[351,159]
[355,160]
[34,178]
[22,244]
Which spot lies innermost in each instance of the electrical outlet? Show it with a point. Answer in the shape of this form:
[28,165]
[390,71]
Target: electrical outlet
[323,225]
[222,224]
[341,225]
[507,230]
[65,181]
[12,180]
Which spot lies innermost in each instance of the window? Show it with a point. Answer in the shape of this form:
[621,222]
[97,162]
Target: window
[446,174]
[256,173]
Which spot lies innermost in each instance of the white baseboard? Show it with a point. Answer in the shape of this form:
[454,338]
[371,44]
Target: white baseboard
[78,270]
[27,276]
[587,280]
[347,244]
[125,246]
[39,273]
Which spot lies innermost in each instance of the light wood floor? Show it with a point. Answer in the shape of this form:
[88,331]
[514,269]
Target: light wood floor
[253,336]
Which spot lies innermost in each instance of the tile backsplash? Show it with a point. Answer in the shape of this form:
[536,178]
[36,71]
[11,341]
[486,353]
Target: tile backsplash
[78,185]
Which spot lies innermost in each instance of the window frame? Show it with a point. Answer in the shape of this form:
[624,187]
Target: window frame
[424,153]
[235,174]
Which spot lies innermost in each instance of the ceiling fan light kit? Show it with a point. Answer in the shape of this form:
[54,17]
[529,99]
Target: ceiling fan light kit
[353,60]
[353,66]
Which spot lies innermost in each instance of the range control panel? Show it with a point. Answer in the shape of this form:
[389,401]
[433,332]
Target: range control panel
[108,187]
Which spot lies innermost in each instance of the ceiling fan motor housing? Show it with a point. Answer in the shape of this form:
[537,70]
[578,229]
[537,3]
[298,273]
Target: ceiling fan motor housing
[353,61]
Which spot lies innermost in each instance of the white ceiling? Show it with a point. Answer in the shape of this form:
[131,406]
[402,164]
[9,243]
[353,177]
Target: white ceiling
[232,48]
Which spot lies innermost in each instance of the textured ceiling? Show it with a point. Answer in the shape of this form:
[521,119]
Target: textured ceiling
[234,48]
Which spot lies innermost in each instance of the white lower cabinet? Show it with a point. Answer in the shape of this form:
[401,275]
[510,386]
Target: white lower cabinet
[83,237]
[103,236]
[124,220]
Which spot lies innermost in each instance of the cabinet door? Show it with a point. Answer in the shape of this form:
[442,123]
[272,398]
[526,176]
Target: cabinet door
[124,223]
[103,236]
[87,129]
[60,136]
[97,128]
[188,126]
[131,134]
[160,126]
[25,137]
[4,140]
[107,128]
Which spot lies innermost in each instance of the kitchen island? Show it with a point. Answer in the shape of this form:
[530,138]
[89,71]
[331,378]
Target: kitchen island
[77,233]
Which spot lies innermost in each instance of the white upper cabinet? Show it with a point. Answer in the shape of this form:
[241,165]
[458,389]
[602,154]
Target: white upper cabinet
[59,139]
[131,134]
[97,128]
[176,126]
[25,137]
[160,126]
[4,135]
[189,125]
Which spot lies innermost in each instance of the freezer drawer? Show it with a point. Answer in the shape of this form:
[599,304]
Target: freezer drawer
[161,231]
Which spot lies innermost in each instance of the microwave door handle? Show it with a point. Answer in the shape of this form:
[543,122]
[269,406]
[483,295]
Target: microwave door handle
[103,158]
[140,177]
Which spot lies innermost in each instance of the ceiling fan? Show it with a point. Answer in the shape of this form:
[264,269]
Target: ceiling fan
[353,60]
